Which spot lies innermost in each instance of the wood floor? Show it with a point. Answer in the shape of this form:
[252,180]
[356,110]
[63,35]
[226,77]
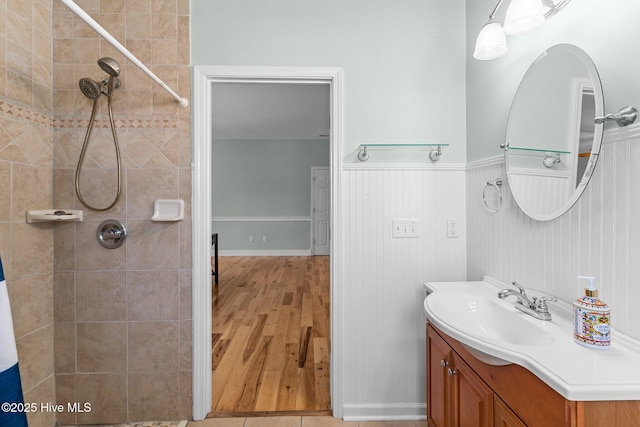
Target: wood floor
[271,335]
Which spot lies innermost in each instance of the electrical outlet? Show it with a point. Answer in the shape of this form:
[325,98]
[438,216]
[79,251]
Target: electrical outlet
[264,238]
[405,227]
[251,238]
[452,229]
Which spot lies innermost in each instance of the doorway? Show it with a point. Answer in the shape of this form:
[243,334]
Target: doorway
[204,77]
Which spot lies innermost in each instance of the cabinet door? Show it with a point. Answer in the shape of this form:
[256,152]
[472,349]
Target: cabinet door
[439,357]
[473,398]
[503,416]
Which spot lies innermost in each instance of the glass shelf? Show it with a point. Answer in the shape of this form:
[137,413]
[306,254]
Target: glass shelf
[435,150]
[535,150]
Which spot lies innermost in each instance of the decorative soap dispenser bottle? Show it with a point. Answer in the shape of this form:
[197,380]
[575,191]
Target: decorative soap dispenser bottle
[591,318]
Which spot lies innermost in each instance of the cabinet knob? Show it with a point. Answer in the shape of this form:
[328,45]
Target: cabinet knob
[452,372]
[444,363]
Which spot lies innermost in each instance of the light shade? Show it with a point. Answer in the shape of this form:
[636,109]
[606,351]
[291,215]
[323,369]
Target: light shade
[491,42]
[523,16]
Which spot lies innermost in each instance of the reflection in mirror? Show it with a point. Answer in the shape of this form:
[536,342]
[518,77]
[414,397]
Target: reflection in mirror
[552,142]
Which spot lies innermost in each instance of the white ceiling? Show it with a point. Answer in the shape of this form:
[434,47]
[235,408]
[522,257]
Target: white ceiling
[270,111]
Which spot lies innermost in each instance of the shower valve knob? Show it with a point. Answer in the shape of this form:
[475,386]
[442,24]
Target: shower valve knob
[111,234]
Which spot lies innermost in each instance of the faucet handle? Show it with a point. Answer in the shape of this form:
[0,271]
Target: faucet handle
[541,303]
[520,288]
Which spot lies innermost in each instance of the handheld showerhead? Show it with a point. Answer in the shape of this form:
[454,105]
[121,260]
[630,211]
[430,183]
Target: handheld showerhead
[109,66]
[90,88]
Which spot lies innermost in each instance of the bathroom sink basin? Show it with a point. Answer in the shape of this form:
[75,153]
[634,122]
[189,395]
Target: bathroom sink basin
[483,315]
[497,333]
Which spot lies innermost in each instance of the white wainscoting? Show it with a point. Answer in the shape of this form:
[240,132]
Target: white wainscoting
[384,327]
[599,236]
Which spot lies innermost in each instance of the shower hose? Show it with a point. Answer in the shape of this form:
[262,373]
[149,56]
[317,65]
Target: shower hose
[83,152]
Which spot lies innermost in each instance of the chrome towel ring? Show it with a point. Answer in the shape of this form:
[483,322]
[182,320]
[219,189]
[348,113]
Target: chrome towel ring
[496,183]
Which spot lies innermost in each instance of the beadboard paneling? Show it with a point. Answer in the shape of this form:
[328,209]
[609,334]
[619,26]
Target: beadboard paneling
[599,236]
[384,337]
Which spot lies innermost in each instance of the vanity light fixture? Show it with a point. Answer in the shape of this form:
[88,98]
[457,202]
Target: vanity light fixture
[522,16]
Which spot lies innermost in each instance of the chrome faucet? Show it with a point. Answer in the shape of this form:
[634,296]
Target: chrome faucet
[536,307]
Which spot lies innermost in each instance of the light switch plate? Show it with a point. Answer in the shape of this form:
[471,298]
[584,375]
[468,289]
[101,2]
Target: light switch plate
[405,227]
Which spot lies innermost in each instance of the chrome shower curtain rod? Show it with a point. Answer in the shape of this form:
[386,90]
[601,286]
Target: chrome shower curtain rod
[182,102]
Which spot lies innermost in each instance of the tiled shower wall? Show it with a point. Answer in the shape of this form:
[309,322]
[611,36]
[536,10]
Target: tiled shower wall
[123,316]
[597,237]
[26,152]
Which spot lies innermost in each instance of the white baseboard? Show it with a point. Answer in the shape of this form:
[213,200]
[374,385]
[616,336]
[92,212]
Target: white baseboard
[384,412]
[266,252]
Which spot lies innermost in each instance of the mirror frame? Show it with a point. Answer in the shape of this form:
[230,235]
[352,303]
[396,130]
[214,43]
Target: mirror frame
[597,134]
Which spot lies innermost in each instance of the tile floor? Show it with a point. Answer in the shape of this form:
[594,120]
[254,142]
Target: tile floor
[296,421]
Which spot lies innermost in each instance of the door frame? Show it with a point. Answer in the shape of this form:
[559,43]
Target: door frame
[204,77]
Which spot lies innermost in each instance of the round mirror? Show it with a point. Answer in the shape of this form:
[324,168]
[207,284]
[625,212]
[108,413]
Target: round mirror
[552,141]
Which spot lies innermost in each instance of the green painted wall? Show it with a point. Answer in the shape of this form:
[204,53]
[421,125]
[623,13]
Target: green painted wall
[253,178]
[403,62]
[607,31]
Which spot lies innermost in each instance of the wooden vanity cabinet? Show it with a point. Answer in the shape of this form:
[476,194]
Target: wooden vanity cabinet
[457,395]
[462,391]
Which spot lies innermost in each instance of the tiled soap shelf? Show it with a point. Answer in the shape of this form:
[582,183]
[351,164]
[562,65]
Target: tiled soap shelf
[54,215]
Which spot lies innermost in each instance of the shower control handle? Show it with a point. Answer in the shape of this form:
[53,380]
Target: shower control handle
[111,234]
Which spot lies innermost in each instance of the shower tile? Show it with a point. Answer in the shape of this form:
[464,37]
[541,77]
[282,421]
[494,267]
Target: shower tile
[114,23]
[185,294]
[153,346]
[164,52]
[42,19]
[112,6]
[5,184]
[65,347]
[31,250]
[164,27]
[63,26]
[65,392]
[42,51]
[183,7]
[152,396]
[138,26]
[91,256]
[42,392]
[18,85]
[186,395]
[21,8]
[19,30]
[185,244]
[154,245]
[153,295]
[146,186]
[85,51]
[31,185]
[64,294]
[101,296]
[142,48]
[63,51]
[64,246]
[140,102]
[164,6]
[35,352]
[107,394]
[35,310]
[101,346]
[139,6]
[186,344]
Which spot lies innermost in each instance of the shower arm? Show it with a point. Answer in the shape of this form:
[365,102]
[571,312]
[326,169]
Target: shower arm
[182,102]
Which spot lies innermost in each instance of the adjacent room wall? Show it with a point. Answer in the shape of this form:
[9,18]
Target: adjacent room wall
[264,179]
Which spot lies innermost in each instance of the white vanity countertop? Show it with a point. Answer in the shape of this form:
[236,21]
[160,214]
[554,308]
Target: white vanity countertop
[576,372]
